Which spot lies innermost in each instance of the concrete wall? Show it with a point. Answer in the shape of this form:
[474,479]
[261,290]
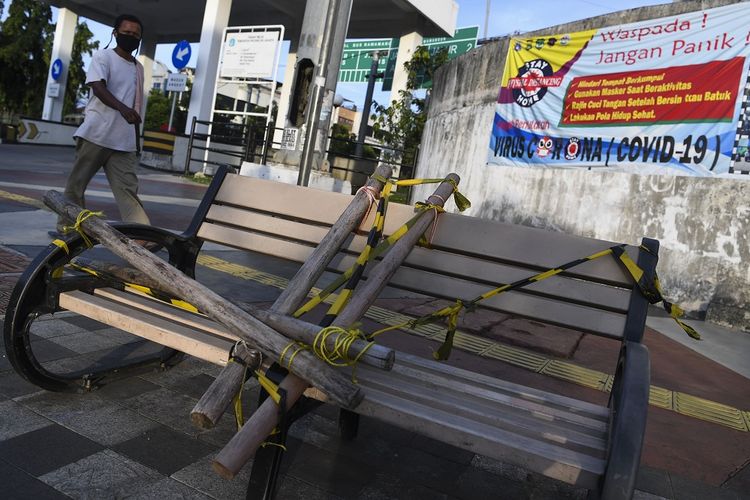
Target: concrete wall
[703,224]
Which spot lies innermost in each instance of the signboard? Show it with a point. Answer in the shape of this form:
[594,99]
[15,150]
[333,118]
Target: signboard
[289,138]
[56,71]
[357,55]
[176,82]
[249,54]
[357,58]
[53,90]
[658,96]
[181,54]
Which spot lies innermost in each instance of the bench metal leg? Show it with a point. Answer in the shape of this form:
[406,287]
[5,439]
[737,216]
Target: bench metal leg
[267,461]
[36,294]
[348,425]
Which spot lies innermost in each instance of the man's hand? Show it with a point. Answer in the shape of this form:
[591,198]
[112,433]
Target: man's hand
[130,115]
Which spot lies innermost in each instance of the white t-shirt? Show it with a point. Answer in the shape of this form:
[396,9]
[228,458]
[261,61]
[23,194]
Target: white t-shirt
[105,126]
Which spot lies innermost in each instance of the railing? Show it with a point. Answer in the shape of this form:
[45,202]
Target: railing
[228,143]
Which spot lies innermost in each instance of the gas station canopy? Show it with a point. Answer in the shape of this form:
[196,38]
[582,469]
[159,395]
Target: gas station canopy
[169,21]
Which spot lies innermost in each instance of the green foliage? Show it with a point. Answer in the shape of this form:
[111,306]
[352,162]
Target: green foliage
[343,143]
[25,46]
[159,107]
[157,112]
[76,85]
[400,124]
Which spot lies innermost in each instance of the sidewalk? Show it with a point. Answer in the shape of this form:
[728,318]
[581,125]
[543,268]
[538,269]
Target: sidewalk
[134,437]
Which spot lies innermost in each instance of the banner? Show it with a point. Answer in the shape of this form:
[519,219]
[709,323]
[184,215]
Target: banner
[659,96]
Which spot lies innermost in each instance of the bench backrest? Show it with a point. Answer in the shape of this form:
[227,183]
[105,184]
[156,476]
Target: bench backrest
[469,256]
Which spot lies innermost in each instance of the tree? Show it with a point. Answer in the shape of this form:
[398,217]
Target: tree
[157,112]
[76,85]
[25,47]
[400,125]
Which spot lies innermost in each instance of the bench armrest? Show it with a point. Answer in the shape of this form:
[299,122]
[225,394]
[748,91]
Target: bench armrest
[182,248]
[629,406]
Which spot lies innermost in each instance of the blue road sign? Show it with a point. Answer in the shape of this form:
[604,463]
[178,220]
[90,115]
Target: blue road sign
[181,54]
[57,68]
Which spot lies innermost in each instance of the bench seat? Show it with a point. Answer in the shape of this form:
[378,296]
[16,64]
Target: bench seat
[554,435]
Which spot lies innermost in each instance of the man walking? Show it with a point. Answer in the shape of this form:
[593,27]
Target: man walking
[108,136]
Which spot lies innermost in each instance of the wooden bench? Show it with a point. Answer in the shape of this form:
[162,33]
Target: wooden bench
[583,444]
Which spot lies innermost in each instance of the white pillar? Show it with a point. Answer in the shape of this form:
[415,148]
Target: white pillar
[146,57]
[62,48]
[215,19]
[406,47]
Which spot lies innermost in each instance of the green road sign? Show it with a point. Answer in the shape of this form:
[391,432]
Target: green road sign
[357,56]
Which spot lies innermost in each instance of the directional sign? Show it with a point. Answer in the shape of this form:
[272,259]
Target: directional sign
[176,82]
[57,68]
[357,56]
[181,54]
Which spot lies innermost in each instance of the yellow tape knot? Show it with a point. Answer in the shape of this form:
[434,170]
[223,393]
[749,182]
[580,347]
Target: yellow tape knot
[83,215]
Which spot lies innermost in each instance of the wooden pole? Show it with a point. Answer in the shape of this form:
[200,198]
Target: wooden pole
[375,355]
[243,445]
[260,336]
[301,283]
[217,398]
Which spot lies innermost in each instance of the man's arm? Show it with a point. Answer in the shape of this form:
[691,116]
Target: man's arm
[104,95]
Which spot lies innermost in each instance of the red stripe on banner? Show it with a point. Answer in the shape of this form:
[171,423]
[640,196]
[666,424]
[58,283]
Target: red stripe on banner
[698,92]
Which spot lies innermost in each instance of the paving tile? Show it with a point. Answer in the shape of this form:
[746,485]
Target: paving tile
[16,420]
[109,425]
[44,450]
[200,475]
[340,475]
[85,323]
[390,487]
[536,336]
[499,468]
[291,488]
[13,385]
[194,386]
[63,407]
[166,407]
[85,342]
[52,326]
[690,489]
[105,474]
[441,450]
[46,350]
[164,449]
[654,481]
[126,388]
[20,485]
[120,336]
[167,489]
[642,495]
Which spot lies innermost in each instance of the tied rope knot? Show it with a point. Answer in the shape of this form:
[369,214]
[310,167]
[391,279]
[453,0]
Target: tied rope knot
[82,216]
[426,206]
[373,194]
[343,339]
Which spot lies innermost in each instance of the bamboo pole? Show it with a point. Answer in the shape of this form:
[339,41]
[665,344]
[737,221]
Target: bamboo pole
[260,336]
[244,444]
[300,284]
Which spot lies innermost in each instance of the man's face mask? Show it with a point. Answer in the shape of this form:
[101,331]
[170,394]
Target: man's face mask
[128,43]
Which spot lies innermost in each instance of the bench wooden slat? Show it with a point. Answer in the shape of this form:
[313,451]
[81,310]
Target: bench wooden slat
[153,306]
[609,324]
[606,323]
[590,410]
[433,260]
[500,241]
[548,459]
[283,199]
[536,421]
[200,344]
